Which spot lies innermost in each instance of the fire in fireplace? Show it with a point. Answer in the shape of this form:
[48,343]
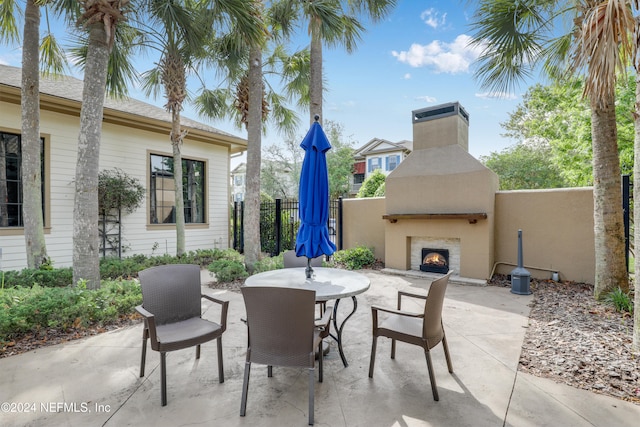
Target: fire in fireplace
[435,260]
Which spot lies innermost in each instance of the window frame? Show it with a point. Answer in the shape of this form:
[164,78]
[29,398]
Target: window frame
[395,157]
[46,184]
[370,168]
[205,191]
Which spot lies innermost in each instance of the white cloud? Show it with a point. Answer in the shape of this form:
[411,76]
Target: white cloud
[432,18]
[407,76]
[455,57]
[426,98]
[497,95]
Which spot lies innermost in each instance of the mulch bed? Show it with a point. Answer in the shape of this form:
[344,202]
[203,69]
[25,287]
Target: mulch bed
[575,340]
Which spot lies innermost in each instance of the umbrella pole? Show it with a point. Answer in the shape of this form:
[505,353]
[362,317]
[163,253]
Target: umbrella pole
[309,270]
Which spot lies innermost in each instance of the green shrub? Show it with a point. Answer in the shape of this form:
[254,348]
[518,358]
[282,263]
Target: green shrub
[113,268]
[621,300]
[354,258]
[269,263]
[371,184]
[228,270]
[28,277]
[29,310]
[228,254]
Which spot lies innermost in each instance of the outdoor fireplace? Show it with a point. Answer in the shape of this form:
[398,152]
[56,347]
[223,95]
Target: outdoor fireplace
[435,260]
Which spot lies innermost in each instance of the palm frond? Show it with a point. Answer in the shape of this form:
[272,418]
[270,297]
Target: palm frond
[286,121]
[604,44]
[376,10]
[512,35]
[282,16]
[213,103]
[9,12]
[52,56]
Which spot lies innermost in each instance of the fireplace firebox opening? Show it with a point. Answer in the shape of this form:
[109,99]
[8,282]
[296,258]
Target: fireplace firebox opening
[435,260]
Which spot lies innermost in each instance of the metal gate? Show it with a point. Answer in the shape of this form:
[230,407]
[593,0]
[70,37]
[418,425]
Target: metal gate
[279,223]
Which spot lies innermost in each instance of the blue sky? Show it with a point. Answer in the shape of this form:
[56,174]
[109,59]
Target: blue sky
[418,57]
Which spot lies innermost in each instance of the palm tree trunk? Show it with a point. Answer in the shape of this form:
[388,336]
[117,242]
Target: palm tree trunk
[31,145]
[611,271]
[86,242]
[252,245]
[315,64]
[176,143]
[635,346]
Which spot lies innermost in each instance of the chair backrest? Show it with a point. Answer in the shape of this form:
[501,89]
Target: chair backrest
[171,292]
[432,326]
[291,260]
[281,323]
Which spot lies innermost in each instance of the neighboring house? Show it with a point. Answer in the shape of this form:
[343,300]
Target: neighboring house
[276,180]
[377,154]
[135,139]
[238,179]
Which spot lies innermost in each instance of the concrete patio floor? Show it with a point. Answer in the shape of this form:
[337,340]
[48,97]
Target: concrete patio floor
[95,382]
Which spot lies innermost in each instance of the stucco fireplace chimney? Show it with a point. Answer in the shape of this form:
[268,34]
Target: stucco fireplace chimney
[440,196]
[441,125]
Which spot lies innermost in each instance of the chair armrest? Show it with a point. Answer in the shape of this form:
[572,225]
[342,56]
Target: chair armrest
[408,294]
[374,314]
[149,323]
[323,322]
[398,312]
[225,309]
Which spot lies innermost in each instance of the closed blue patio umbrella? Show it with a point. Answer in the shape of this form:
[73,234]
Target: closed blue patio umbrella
[313,198]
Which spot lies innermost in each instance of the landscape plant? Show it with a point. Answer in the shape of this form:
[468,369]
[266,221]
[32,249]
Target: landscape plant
[37,308]
[371,184]
[622,301]
[227,270]
[354,258]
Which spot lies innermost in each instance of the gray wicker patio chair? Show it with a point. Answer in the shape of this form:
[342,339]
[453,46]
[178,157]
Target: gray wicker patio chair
[283,332]
[423,329]
[171,308]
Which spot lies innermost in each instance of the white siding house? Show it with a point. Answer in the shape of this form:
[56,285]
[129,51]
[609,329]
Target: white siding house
[238,182]
[135,139]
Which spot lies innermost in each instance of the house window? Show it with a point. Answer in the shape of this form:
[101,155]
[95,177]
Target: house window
[11,179]
[358,178]
[374,163]
[238,180]
[239,197]
[392,162]
[162,190]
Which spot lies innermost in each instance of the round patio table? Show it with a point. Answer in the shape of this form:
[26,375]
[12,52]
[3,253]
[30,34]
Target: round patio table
[329,284]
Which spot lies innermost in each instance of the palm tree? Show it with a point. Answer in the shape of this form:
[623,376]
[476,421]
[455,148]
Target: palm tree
[255,101]
[636,188]
[186,28]
[33,220]
[99,18]
[31,144]
[334,22]
[180,29]
[518,37]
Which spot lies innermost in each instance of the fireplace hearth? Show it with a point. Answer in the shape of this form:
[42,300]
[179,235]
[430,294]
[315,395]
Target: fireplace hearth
[435,260]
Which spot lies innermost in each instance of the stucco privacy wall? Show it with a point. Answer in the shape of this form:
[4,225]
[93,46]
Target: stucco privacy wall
[362,224]
[557,227]
[128,149]
[557,232]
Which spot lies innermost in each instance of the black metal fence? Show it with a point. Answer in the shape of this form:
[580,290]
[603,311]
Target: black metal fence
[279,223]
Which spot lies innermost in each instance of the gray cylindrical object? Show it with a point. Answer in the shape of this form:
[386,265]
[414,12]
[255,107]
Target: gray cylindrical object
[520,276]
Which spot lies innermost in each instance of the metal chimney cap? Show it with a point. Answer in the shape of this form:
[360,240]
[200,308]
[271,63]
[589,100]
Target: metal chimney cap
[439,111]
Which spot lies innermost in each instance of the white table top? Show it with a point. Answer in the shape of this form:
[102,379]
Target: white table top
[329,283]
